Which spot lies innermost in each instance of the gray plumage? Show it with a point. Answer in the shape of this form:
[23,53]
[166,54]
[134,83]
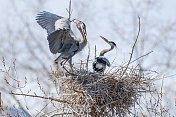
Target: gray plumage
[103,60]
[60,36]
[100,64]
[47,21]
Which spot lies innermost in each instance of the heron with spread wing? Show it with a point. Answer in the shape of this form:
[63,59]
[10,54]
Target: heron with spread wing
[60,36]
[101,62]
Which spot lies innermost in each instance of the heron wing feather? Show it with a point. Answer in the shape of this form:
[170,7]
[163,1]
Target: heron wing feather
[60,36]
[55,41]
[60,40]
[103,59]
[47,21]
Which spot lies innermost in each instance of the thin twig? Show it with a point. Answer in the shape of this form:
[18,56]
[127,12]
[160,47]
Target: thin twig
[87,64]
[41,88]
[0,101]
[42,109]
[95,51]
[1,106]
[59,114]
[69,11]
[161,97]
[131,55]
[36,96]
[141,57]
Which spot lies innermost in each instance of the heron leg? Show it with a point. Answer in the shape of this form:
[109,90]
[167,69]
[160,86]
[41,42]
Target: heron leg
[59,67]
[63,67]
[68,71]
[70,61]
[57,59]
[71,65]
[63,61]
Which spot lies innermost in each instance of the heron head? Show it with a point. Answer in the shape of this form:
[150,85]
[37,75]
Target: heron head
[111,43]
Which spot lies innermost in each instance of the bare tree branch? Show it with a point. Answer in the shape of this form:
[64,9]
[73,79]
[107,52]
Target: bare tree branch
[42,97]
[69,11]
[141,57]
[131,54]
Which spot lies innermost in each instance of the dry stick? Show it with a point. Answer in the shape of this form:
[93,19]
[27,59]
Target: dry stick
[91,84]
[95,51]
[161,96]
[0,100]
[41,88]
[36,96]
[141,56]
[1,107]
[60,114]
[131,55]
[42,109]
[79,91]
[20,105]
[87,64]
[69,11]
[43,114]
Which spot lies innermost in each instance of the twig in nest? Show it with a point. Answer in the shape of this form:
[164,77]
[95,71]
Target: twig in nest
[79,91]
[131,54]
[95,51]
[87,64]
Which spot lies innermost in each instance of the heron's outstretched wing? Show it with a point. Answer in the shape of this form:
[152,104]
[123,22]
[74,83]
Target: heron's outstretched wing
[55,41]
[59,39]
[47,21]
[58,29]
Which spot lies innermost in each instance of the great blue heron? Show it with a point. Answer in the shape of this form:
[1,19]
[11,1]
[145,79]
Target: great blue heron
[101,62]
[60,36]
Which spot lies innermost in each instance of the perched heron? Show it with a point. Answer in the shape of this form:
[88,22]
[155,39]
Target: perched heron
[101,62]
[60,36]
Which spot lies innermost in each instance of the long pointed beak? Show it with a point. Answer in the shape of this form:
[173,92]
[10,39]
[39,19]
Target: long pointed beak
[85,35]
[104,39]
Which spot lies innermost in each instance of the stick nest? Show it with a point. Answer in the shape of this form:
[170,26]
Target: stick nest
[106,94]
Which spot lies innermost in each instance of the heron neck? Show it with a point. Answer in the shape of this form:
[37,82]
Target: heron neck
[84,40]
[106,50]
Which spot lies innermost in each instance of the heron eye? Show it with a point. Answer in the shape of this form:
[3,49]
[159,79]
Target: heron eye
[113,43]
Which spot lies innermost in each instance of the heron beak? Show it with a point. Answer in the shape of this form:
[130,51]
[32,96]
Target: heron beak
[85,35]
[104,39]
